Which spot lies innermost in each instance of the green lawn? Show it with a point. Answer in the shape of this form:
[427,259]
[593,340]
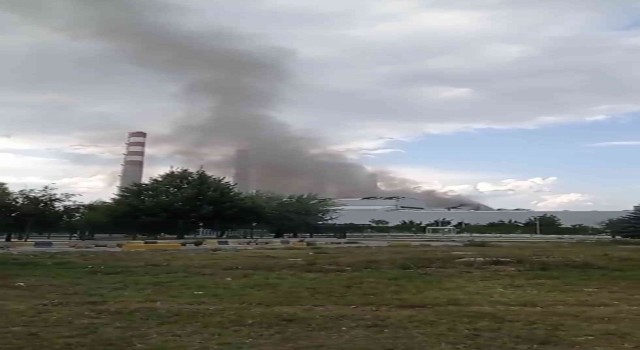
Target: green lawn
[525,296]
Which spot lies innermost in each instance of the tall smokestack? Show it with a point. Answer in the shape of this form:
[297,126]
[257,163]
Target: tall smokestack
[133,159]
[243,176]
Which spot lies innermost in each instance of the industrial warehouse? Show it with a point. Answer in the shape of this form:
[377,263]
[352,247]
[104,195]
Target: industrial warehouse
[396,209]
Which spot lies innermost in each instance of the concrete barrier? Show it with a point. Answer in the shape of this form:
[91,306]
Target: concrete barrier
[50,244]
[196,243]
[217,242]
[256,241]
[43,244]
[20,244]
[159,246]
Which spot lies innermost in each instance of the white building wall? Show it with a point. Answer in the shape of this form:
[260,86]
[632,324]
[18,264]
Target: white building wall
[363,216]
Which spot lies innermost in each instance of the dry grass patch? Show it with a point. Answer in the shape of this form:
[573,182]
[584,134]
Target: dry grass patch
[528,296]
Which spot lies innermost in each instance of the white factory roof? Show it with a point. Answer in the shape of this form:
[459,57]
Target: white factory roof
[381,203]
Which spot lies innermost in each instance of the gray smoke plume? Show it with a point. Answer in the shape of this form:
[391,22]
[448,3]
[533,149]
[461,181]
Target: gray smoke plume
[232,83]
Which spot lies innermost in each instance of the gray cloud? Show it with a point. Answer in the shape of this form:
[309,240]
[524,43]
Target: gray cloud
[525,62]
[234,79]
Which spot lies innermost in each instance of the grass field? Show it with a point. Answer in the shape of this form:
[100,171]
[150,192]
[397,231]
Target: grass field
[526,296]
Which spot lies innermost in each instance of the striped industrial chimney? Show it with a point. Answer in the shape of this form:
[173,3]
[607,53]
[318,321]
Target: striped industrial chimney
[133,159]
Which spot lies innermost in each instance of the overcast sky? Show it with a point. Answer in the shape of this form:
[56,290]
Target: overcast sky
[521,103]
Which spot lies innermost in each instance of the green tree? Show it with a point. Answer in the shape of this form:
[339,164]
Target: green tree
[579,229]
[89,219]
[8,211]
[409,226]
[39,210]
[257,210]
[549,224]
[546,220]
[627,226]
[613,226]
[379,226]
[178,202]
[439,223]
[376,222]
[295,214]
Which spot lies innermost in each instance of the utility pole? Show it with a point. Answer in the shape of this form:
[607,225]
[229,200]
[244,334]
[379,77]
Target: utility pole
[537,225]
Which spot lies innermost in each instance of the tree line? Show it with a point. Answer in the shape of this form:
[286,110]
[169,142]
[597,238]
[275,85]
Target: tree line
[179,202]
[627,226]
[182,202]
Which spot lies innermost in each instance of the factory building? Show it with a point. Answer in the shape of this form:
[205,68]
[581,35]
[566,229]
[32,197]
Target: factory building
[396,209]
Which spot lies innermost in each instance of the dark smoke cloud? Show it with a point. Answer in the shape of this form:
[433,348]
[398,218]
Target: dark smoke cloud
[232,85]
